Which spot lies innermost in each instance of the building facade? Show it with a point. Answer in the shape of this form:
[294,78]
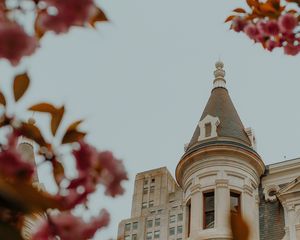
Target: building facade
[219,173]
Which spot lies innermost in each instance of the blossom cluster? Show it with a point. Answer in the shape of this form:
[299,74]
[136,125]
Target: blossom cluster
[51,15]
[272,33]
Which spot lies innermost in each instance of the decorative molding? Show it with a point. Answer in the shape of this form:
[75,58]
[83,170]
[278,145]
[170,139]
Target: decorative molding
[222,183]
[248,189]
[268,189]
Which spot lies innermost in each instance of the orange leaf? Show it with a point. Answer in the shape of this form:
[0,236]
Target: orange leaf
[43,107]
[267,8]
[39,33]
[229,18]
[56,119]
[99,16]
[240,228]
[2,99]
[74,125]
[21,84]
[239,10]
[72,136]
[32,132]
[58,171]
[24,197]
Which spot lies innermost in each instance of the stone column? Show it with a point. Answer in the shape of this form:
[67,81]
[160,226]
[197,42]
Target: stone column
[222,206]
[291,217]
[249,209]
[196,210]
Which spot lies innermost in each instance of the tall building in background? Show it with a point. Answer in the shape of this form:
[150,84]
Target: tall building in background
[219,173]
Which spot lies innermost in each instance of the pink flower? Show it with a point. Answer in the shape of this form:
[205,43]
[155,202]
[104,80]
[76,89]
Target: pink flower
[85,157]
[69,13]
[261,26]
[271,28]
[287,22]
[270,45]
[238,24]
[69,227]
[292,50]
[13,166]
[113,173]
[252,31]
[15,43]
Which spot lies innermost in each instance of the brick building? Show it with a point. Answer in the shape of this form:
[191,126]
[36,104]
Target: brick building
[220,172]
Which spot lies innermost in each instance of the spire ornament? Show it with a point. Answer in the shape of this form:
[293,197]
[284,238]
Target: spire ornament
[219,75]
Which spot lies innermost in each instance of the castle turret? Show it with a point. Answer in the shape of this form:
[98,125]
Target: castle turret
[220,169]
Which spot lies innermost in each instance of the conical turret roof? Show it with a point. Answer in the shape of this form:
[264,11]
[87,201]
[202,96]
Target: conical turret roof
[219,106]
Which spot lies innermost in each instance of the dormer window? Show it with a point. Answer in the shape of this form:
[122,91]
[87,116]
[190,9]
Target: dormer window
[208,127]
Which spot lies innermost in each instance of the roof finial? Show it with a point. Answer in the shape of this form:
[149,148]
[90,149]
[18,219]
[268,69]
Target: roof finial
[219,75]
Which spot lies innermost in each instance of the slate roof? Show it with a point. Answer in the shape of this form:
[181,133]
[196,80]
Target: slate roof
[220,105]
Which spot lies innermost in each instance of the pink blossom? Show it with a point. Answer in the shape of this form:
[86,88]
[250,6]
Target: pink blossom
[69,13]
[13,166]
[252,31]
[261,26]
[113,173]
[69,227]
[238,24]
[270,45]
[271,28]
[292,50]
[85,157]
[15,43]
[287,22]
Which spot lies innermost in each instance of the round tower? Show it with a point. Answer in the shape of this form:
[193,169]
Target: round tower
[220,169]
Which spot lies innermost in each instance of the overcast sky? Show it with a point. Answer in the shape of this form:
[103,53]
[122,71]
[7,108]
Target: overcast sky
[143,80]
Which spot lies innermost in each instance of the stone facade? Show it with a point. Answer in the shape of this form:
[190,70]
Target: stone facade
[219,173]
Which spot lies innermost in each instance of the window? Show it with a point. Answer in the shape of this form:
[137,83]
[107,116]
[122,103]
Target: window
[135,225]
[235,202]
[209,209]
[157,222]
[127,226]
[151,203]
[159,211]
[145,190]
[145,181]
[172,218]
[179,238]
[152,189]
[127,237]
[152,212]
[144,205]
[156,234]
[149,236]
[171,231]
[207,129]
[179,217]
[149,223]
[134,237]
[189,217]
[179,229]
[153,180]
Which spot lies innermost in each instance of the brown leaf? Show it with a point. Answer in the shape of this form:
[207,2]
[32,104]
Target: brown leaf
[228,19]
[253,3]
[74,125]
[72,136]
[58,171]
[9,232]
[239,227]
[25,198]
[239,10]
[32,132]
[21,84]
[56,119]
[39,32]
[99,16]
[2,99]
[43,107]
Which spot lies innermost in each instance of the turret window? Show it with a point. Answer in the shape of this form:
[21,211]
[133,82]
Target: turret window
[209,210]
[235,202]
[207,129]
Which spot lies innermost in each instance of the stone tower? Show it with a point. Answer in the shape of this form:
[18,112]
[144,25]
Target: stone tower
[220,170]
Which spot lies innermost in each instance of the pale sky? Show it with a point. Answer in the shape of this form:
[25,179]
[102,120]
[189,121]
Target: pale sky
[142,81]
